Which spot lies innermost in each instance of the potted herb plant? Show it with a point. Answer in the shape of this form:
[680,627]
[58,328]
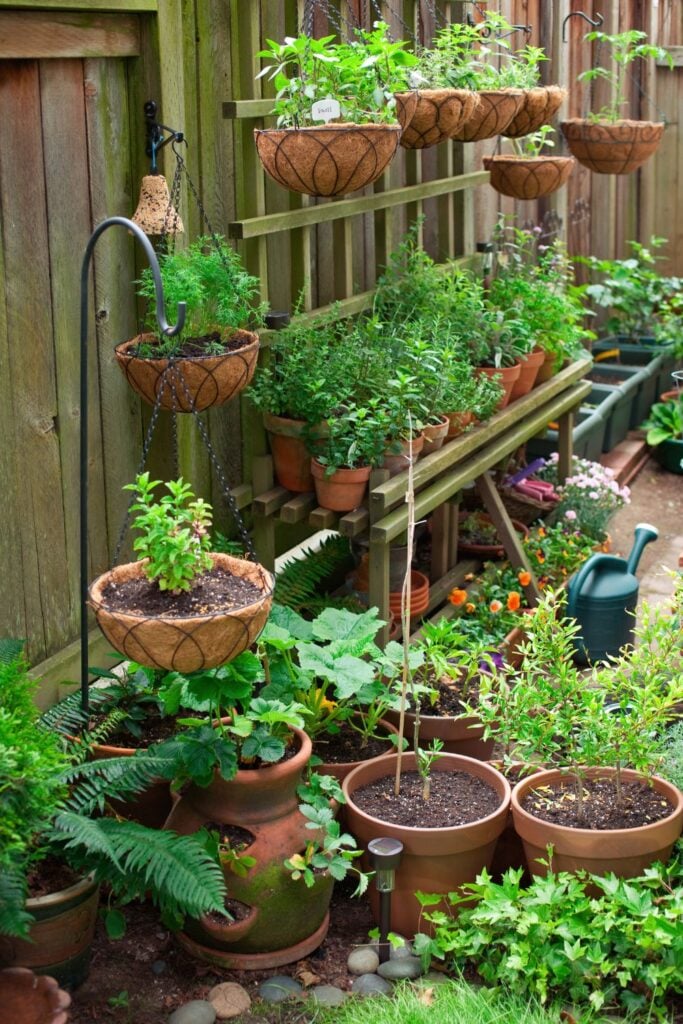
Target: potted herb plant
[180,607]
[56,852]
[355,84]
[344,457]
[664,428]
[604,142]
[529,172]
[214,357]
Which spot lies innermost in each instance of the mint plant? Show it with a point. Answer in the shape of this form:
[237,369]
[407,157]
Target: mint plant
[175,533]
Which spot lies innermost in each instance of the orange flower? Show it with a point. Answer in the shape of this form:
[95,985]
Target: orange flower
[469,607]
[524,578]
[541,532]
[514,601]
[540,556]
[457,597]
[495,606]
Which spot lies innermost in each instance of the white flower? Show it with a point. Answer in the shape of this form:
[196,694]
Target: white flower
[570,514]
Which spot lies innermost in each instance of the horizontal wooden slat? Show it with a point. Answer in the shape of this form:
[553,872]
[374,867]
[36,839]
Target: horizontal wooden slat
[296,510]
[388,528]
[131,6]
[34,34]
[676,54]
[354,523]
[336,210]
[58,674]
[323,519]
[269,502]
[242,495]
[243,110]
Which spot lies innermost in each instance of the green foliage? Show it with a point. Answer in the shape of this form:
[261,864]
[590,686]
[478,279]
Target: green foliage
[665,422]
[623,48]
[221,296]
[175,533]
[299,582]
[534,144]
[557,942]
[672,755]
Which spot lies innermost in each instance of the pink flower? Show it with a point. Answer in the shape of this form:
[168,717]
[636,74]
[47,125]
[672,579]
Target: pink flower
[570,514]
[594,495]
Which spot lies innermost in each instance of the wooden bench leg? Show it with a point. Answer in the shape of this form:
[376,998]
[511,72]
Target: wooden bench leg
[507,533]
[379,586]
[565,445]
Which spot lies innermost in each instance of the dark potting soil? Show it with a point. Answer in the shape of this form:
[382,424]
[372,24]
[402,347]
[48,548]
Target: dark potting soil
[640,805]
[456,798]
[234,836]
[214,591]
[194,348]
[154,729]
[603,378]
[449,703]
[238,912]
[347,745]
[50,875]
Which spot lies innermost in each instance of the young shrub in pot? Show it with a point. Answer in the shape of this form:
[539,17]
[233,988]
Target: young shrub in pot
[355,441]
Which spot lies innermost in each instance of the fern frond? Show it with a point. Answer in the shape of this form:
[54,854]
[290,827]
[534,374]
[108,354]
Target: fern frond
[74,831]
[14,919]
[106,728]
[300,581]
[116,778]
[10,649]
[67,715]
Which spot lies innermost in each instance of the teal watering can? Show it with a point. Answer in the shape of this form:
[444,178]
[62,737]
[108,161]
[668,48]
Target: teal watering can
[602,597]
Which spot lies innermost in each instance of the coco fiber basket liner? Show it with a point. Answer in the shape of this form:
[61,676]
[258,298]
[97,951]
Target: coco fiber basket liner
[538,108]
[330,160]
[618,148]
[528,177]
[191,383]
[492,115]
[439,114]
[184,644]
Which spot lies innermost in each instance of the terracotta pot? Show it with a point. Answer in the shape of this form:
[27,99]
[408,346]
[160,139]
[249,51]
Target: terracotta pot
[327,160]
[60,938]
[486,551]
[419,596]
[340,769]
[539,106]
[527,178]
[506,377]
[184,645]
[671,396]
[547,369]
[612,148]
[193,383]
[458,422]
[509,848]
[435,860]
[463,734]
[289,920]
[344,490]
[492,115]
[291,459]
[529,368]
[26,998]
[625,851]
[152,806]
[406,105]
[438,114]
[434,435]
[398,462]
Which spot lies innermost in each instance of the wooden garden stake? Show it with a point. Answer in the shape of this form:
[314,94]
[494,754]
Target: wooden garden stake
[405,617]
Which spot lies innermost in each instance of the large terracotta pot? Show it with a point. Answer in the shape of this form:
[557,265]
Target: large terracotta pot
[434,860]
[529,369]
[344,490]
[458,422]
[27,998]
[340,769]
[184,645]
[327,160]
[398,462]
[626,851]
[152,806]
[526,177]
[287,920]
[60,938]
[539,106]
[438,115]
[492,115]
[463,734]
[291,458]
[506,377]
[193,383]
[606,148]
[435,435]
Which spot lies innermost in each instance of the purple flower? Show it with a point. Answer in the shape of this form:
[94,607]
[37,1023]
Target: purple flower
[493,658]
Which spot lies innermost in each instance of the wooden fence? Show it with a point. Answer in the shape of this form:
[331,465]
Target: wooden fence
[73,79]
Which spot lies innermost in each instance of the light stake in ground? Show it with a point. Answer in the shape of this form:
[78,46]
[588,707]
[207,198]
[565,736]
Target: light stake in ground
[385,857]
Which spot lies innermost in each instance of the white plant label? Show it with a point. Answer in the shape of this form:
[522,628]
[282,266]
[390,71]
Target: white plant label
[325,110]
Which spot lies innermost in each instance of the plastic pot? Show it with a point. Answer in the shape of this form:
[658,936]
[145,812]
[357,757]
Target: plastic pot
[669,455]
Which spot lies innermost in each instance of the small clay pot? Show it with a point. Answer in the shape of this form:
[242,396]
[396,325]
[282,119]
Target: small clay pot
[606,148]
[529,368]
[460,734]
[528,178]
[539,107]
[506,377]
[671,396]
[152,806]
[438,115]
[344,490]
[192,383]
[340,769]
[291,458]
[398,462]
[327,160]
[435,435]
[27,998]
[492,115]
[458,422]
[547,369]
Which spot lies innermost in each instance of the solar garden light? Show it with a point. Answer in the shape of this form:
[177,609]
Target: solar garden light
[385,857]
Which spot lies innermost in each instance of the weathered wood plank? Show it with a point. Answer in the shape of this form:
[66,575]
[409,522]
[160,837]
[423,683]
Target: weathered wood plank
[353,524]
[507,533]
[297,509]
[58,674]
[323,519]
[124,6]
[32,34]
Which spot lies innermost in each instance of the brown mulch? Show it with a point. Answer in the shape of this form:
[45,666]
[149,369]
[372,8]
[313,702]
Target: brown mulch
[639,805]
[214,591]
[456,798]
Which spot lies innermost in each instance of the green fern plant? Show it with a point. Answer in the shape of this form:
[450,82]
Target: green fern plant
[299,583]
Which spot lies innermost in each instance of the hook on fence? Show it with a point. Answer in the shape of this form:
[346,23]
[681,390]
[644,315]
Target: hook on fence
[596,22]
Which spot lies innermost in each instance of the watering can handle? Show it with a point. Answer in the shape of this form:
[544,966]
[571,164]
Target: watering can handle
[580,579]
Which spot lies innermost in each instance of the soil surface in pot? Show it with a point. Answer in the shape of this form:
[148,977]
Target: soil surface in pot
[603,378]
[639,806]
[50,875]
[234,909]
[194,348]
[238,839]
[347,745]
[214,591]
[153,729]
[456,798]
[449,703]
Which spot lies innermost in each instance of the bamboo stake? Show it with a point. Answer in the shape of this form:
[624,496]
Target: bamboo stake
[405,614]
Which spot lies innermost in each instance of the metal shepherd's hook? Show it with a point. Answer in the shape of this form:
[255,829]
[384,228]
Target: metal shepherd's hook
[596,22]
[165,328]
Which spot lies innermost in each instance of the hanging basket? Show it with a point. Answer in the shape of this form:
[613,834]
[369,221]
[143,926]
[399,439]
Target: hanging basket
[184,644]
[528,177]
[192,383]
[329,160]
[539,107]
[618,148]
[492,115]
[439,114]
[406,105]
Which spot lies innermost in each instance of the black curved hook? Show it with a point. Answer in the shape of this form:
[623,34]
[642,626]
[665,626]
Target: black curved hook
[170,331]
[599,20]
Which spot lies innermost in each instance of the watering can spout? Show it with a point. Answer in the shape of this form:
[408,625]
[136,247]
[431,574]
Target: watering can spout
[644,535]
